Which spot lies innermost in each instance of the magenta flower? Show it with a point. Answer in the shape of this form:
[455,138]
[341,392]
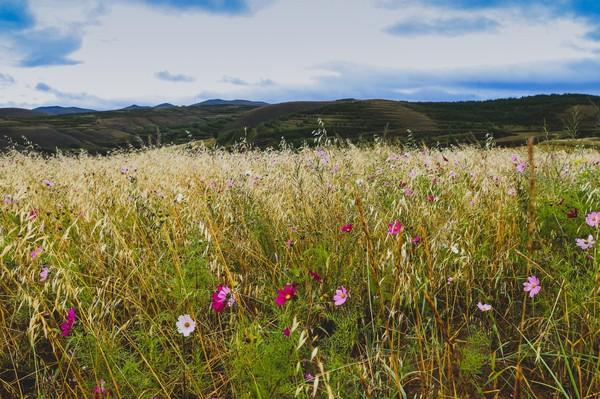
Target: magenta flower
[484,307]
[346,228]
[572,213]
[593,219]
[585,243]
[532,285]
[341,296]
[430,198]
[395,227]
[521,167]
[36,252]
[286,332]
[315,276]
[48,183]
[44,273]
[287,293]
[67,325]
[416,240]
[221,298]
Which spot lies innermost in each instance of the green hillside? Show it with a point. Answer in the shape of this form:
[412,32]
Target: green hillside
[510,121]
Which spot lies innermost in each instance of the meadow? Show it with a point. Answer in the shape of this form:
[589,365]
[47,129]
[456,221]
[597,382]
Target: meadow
[331,272]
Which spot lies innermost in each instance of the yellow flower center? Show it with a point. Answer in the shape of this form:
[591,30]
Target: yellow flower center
[287,296]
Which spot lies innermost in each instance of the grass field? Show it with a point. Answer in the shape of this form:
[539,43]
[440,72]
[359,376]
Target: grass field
[337,272]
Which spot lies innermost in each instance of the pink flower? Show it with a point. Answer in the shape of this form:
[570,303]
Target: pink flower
[395,227]
[430,198]
[8,200]
[484,307]
[532,285]
[593,219]
[289,243]
[33,214]
[48,183]
[346,228]
[585,243]
[287,293]
[44,273]
[36,252]
[67,325]
[416,240]
[408,192]
[450,280]
[101,392]
[221,298]
[341,296]
[315,276]
[124,170]
[521,167]
[286,332]
[308,377]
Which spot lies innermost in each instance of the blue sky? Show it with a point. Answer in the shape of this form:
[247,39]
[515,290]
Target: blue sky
[111,53]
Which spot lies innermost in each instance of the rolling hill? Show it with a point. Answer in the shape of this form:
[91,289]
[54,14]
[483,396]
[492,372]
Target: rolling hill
[510,121]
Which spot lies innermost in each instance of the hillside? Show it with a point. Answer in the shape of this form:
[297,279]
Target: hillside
[510,121]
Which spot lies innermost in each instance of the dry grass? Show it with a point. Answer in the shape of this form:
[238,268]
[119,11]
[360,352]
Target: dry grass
[130,259]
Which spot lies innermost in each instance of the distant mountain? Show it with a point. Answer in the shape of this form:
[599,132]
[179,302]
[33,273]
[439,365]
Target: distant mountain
[165,106]
[134,106]
[218,101]
[56,110]
[18,113]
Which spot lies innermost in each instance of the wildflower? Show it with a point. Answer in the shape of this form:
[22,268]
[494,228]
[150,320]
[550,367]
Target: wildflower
[8,200]
[315,276]
[67,325]
[416,240]
[221,298]
[450,280]
[286,332]
[593,219]
[229,183]
[452,174]
[395,227]
[341,296]
[289,243]
[585,243]
[124,170]
[48,183]
[100,391]
[308,377]
[484,307]
[335,168]
[572,213]
[408,192]
[179,198]
[521,167]
[430,198]
[511,192]
[287,293]
[514,158]
[346,228]
[33,214]
[36,252]
[532,285]
[44,273]
[185,325]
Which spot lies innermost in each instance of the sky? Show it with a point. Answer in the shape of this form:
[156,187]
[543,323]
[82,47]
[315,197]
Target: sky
[107,54]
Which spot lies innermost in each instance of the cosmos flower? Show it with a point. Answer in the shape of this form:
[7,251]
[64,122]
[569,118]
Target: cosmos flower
[185,325]
[44,273]
[221,298]
[521,167]
[484,307]
[346,228]
[341,296]
[585,243]
[572,213]
[416,240]
[287,293]
[67,325]
[286,332]
[593,219]
[532,285]
[315,276]
[395,227]
[37,252]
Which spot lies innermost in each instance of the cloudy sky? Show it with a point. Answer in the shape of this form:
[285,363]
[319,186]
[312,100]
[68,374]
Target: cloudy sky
[111,53]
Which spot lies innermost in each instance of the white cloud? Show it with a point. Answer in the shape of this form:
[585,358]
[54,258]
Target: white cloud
[293,43]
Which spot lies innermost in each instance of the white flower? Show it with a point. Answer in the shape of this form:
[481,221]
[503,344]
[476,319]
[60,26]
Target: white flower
[179,198]
[484,307]
[185,325]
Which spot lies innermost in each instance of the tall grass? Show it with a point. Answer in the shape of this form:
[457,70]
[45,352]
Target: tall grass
[132,250]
